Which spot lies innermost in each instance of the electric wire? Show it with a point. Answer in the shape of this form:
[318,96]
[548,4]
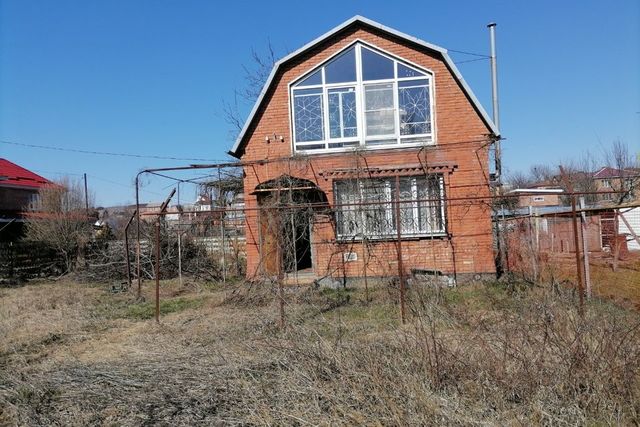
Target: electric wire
[105,153]
[468,53]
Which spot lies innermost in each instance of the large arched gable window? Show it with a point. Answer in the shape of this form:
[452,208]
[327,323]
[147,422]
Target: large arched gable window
[362,98]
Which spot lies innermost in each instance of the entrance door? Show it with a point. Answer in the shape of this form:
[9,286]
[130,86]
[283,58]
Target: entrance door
[297,242]
[287,206]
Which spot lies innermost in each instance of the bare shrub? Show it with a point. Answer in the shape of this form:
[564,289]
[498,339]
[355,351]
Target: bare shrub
[61,221]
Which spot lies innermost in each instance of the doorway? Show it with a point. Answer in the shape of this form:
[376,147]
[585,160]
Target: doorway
[287,207]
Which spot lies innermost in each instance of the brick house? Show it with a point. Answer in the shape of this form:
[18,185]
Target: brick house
[354,127]
[625,181]
[18,191]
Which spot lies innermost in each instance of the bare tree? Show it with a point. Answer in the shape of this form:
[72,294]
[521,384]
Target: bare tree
[541,173]
[60,220]
[255,77]
[627,165]
[519,179]
[579,173]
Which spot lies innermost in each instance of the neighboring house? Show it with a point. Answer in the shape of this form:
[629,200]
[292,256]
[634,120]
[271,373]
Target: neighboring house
[347,119]
[607,186]
[18,193]
[538,194]
[626,181]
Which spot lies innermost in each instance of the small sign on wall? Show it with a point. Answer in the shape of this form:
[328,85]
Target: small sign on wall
[349,256]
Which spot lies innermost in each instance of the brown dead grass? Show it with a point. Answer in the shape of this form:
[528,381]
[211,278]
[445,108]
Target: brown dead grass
[73,354]
[621,286]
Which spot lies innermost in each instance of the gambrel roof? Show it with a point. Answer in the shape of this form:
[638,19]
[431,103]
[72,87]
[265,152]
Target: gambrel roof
[360,20]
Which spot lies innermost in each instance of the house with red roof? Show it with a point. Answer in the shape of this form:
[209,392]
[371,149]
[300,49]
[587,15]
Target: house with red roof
[18,191]
[625,181]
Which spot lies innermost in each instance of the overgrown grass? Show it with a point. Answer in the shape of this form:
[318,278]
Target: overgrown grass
[493,354]
[147,310]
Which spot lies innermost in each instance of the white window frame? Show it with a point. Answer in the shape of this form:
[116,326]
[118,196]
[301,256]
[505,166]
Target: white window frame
[359,85]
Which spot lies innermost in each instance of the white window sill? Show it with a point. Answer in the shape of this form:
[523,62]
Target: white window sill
[365,148]
[392,237]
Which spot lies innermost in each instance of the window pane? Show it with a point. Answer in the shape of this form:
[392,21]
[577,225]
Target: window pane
[430,205]
[378,96]
[307,105]
[347,217]
[342,69]
[310,147]
[380,123]
[342,113]
[375,142]
[375,66]
[376,210]
[413,99]
[313,79]
[380,114]
[408,224]
[345,144]
[404,71]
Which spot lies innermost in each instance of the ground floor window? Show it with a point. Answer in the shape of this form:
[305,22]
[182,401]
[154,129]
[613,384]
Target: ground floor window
[366,207]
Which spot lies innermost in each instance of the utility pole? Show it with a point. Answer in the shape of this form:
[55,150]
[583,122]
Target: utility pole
[497,154]
[494,97]
[86,197]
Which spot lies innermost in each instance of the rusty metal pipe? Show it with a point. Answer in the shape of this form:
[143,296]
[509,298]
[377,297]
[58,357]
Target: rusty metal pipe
[138,267]
[576,238]
[399,248]
[157,270]
[126,247]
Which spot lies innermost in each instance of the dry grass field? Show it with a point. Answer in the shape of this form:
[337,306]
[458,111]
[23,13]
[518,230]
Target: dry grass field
[494,354]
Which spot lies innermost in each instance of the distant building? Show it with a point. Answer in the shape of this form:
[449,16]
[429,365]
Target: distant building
[540,194]
[18,193]
[611,179]
[607,185]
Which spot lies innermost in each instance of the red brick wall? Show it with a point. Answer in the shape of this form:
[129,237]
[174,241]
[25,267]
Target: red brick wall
[459,135]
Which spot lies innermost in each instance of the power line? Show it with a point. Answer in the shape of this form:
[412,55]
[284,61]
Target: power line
[130,186]
[469,53]
[105,153]
[472,60]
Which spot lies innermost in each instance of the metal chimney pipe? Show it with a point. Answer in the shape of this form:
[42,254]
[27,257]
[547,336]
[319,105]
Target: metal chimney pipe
[494,95]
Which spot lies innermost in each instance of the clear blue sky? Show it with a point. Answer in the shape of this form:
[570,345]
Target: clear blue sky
[149,76]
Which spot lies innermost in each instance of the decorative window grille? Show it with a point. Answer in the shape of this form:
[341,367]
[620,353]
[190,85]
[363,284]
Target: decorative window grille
[362,97]
[366,207]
